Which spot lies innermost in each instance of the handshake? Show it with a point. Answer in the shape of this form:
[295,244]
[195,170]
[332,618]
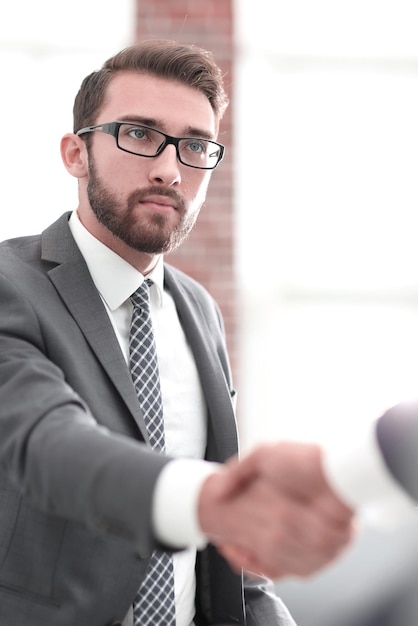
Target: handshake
[274,513]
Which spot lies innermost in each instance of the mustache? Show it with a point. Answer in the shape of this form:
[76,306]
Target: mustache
[141,194]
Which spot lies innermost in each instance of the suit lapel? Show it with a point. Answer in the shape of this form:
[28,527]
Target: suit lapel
[75,286]
[222,433]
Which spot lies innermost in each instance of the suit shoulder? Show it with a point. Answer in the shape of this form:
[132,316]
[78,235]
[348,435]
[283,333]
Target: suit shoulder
[25,248]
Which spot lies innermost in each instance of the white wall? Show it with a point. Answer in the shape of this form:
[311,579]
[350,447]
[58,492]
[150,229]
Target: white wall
[46,49]
[327,199]
[327,202]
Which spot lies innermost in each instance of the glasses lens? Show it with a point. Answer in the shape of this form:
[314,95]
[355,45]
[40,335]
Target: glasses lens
[139,139]
[147,142]
[199,152]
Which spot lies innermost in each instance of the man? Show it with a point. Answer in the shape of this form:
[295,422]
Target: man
[103,485]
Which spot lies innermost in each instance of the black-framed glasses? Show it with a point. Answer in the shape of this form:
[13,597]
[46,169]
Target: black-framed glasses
[145,141]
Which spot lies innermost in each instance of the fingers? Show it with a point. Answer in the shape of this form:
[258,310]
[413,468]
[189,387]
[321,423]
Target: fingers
[238,558]
[309,542]
[273,512]
[291,541]
[296,470]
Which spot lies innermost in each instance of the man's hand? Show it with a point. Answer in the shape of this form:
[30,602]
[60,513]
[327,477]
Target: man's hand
[273,512]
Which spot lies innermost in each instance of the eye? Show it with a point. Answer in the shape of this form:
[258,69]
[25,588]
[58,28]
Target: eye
[197,146]
[139,132]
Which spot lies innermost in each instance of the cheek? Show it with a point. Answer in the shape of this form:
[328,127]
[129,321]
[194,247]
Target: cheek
[198,190]
[123,178]
[117,165]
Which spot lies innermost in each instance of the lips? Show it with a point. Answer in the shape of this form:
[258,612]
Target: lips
[162,201]
[157,200]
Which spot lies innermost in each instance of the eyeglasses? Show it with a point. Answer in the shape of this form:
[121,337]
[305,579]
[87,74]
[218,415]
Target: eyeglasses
[145,141]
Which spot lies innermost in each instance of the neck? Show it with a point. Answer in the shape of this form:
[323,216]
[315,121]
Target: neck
[141,261]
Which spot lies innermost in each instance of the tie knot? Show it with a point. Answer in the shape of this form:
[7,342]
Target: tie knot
[140,298]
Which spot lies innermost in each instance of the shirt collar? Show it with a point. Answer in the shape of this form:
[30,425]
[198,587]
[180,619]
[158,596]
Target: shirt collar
[114,278]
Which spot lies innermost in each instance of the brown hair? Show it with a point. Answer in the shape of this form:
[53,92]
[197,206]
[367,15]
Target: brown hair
[187,64]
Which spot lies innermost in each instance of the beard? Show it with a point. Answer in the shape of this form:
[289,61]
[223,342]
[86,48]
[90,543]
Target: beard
[155,235]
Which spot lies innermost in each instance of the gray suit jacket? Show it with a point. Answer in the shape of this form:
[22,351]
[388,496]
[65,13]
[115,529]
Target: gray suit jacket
[76,473]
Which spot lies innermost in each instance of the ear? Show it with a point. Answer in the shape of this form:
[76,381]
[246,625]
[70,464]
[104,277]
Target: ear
[74,155]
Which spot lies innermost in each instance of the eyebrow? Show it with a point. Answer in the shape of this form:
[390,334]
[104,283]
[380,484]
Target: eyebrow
[189,131]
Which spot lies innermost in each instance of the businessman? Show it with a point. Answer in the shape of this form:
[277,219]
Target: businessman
[117,503]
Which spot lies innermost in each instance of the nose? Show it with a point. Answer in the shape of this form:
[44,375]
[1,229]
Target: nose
[165,168]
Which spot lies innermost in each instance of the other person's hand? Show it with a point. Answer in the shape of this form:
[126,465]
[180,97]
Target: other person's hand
[273,512]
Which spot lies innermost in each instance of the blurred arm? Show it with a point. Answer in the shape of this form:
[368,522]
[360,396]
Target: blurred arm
[378,474]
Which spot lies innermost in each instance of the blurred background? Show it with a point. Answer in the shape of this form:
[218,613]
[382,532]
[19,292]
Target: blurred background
[308,237]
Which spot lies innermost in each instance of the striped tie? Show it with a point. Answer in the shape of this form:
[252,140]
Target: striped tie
[154,603]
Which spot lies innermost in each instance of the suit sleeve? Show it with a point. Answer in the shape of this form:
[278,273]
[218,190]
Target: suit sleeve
[376,473]
[52,449]
[397,435]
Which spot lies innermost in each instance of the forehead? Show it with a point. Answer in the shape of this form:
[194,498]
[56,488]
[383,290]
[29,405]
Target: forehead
[174,106]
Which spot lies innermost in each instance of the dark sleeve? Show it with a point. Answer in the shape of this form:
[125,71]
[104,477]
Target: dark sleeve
[397,435]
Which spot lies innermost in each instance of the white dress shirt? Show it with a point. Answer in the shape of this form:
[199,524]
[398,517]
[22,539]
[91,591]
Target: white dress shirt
[178,487]
[359,475]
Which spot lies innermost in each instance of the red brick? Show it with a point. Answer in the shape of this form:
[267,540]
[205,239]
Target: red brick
[208,255]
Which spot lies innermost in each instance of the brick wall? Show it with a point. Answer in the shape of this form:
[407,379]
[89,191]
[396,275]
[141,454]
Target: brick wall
[208,254]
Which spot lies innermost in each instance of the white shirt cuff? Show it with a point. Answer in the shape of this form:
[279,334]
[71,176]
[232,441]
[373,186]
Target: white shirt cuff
[361,478]
[175,503]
